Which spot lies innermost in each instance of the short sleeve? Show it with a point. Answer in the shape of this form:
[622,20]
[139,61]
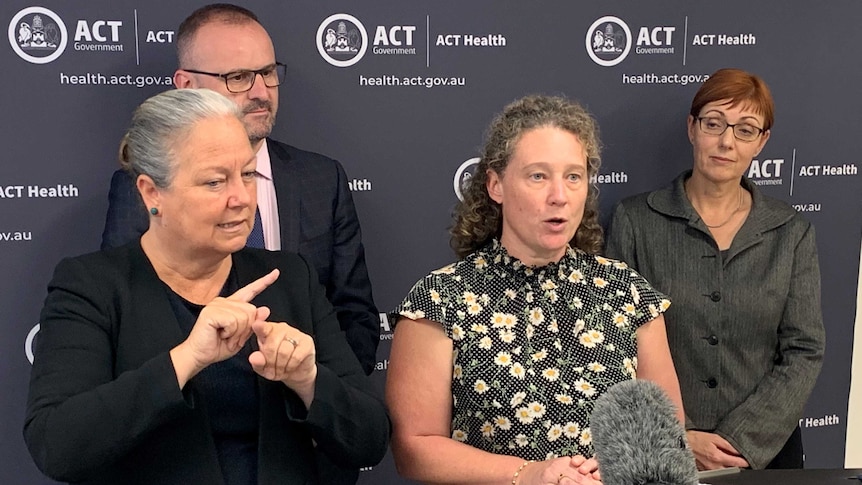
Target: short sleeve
[431,298]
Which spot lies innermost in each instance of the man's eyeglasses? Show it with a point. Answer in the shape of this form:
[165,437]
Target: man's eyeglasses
[717,126]
[242,81]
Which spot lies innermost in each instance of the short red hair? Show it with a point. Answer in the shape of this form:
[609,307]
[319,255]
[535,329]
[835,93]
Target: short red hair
[740,87]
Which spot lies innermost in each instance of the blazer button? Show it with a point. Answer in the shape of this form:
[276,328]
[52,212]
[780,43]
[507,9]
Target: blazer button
[712,383]
[715,296]
[712,339]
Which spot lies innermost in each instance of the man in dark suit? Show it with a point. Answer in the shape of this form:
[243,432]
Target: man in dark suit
[304,203]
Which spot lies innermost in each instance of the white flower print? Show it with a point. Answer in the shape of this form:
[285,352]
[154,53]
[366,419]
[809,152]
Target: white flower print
[479,328]
[590,338]
[586,437]
[518,398]
[664,304]
[537,409]
[554,326]
[459,435]
[507,336]
[636,295]
[474,308]
[555,432]
[524,416]
[487,429]
[610,347]
[485,342]
[552,296]
[630,366]
[600,282]
[577,303]
[572,430]
[503,423]
[564,398]
[585,388]
[448,269]
[457,371]
[629,308]
[503,359]
[521,440]
[530,330]
[548,285]
[480,387]
[415,315]
[529,297]
[457,332]
[537,316]
[518,371]
[620,320]
[653,311]
[551,373]
[484,298]
[620,265]
[537,356]
[480,263]
[579,325]
[435,296]
[596,367]
[469,297]
[603,261]
[576,276]
[510,293]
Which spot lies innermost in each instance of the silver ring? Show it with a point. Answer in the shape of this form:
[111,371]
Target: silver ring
[294,342]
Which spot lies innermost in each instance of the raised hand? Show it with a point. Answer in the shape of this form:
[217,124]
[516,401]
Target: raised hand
[221,329]
[287,355]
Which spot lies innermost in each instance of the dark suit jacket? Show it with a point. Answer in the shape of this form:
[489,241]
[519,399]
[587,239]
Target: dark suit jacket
[317,220]
[745,328]
[104,404]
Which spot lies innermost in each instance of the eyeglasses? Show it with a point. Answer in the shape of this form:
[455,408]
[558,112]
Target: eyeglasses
[717,127]
[242,81]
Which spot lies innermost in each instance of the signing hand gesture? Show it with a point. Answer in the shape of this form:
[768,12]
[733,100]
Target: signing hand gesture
[286,355]
[221,329]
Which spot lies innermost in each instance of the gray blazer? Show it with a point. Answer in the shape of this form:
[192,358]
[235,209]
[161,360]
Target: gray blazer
[745,328]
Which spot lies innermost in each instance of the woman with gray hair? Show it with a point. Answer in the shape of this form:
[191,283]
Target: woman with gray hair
[185,356]
[498,359]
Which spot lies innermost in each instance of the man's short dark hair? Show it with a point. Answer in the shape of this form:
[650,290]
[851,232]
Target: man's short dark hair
[217,12]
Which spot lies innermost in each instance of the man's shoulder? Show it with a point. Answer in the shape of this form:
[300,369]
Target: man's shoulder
[290,153]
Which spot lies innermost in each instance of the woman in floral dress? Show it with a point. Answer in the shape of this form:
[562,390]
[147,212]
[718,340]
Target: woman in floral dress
[498,358]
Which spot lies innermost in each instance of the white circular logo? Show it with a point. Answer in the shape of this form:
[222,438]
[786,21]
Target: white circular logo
[28,343]
[463,176]
[37,35]
[341,40]
[609,41]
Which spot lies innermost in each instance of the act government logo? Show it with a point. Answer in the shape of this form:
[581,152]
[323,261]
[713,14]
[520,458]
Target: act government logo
[463,176]
[37,35]
[342,40]
[609,41]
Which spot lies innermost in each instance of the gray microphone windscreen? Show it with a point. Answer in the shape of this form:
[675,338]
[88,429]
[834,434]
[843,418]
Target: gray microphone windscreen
[638,439]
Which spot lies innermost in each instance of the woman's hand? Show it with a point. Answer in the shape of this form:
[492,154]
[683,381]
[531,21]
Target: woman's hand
[711,451]
[286,355]
[561,471]
[221,330]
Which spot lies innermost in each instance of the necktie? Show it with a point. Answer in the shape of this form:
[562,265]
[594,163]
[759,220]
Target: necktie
[255,239]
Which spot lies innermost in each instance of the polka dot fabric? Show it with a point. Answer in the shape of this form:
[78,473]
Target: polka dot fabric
[534,347]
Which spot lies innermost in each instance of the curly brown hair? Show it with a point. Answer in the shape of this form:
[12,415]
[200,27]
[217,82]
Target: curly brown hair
[478,218]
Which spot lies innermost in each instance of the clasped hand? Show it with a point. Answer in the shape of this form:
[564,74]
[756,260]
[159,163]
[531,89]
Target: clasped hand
[224,325]
[562,471]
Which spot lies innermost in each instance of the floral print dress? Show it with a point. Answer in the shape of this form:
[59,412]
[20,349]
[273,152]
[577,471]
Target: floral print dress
[534,347]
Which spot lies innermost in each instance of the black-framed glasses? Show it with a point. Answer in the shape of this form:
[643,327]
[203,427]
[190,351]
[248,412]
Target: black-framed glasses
[242,81]
[717,126]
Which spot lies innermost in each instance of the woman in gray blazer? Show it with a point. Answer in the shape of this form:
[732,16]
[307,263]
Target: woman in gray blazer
[745,328]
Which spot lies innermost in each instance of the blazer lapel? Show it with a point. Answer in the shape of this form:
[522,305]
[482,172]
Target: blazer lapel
[287,193]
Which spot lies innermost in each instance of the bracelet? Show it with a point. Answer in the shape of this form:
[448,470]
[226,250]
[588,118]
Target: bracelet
[519,470]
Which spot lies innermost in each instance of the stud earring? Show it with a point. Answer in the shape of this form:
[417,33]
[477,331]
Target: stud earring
[154,211]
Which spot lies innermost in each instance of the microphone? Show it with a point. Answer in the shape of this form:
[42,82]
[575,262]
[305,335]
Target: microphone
[638,438]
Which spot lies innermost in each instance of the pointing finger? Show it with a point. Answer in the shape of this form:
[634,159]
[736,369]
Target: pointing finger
[251,290]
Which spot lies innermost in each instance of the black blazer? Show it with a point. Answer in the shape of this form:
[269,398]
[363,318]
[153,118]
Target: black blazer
[104,405]
[317,220]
